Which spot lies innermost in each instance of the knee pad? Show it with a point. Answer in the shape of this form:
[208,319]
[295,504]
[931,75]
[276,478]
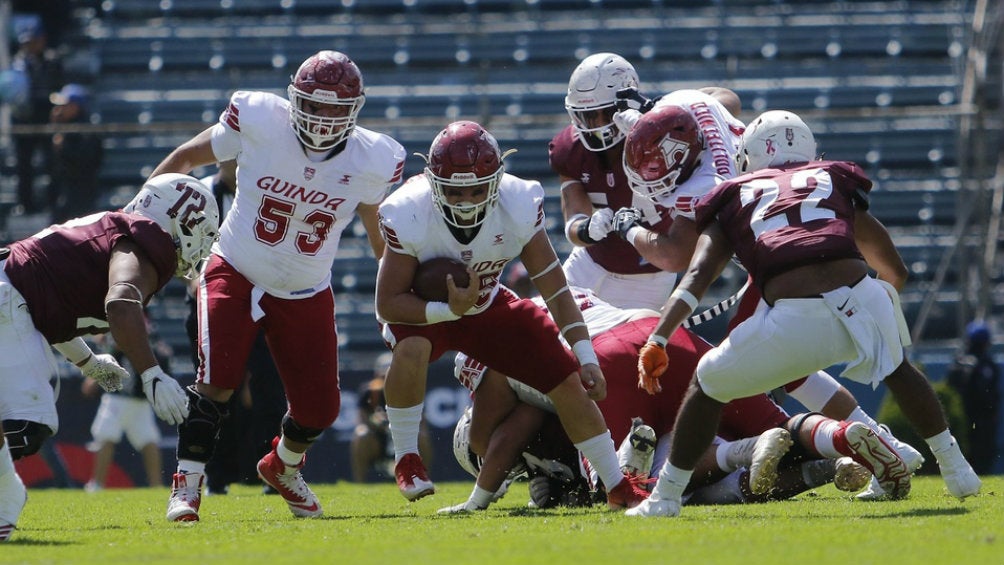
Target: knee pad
[799,452]
[25,438]
[197,435]
[299,433]
[795,423]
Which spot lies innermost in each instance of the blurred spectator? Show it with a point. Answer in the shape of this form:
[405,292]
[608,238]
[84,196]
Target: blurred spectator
[371,447]
[43,70]
[128,413]
[976,377]
[56,16]
[76,156]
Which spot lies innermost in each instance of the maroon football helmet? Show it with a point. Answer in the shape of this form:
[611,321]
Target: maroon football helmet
[463,155]
[329,77]
[662,151]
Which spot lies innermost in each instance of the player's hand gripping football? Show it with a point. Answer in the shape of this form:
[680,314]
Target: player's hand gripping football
[462,299]
[167,397]
[652,363]
[106,371]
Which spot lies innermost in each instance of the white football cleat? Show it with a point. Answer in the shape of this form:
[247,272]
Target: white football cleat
[13,497]
[863,445]
[412,478]
[636,452]
[850,476]
[463,508]
[913,459]
[960,479]
[186,497]
[770,447]
[289,483]
[654,507]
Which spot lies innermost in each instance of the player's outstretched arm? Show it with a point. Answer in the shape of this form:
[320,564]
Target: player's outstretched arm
[193,153]
[713,252]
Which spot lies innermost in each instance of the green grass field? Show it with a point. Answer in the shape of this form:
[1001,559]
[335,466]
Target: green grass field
[374,524]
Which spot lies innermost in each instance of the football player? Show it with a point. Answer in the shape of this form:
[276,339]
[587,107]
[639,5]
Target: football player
[304,171]
[755,432]
[676,153]
[466,207]
[91,275]
[587,156]
[801,228]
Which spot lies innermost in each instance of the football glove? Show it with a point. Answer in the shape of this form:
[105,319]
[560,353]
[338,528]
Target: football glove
[626,119]
[106,371]
[652,363]
[600,223]
[168,399]
[625,219]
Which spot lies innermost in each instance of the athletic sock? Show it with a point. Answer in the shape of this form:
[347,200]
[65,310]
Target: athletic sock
[404,427]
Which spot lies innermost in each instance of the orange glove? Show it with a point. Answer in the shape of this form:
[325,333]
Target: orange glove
[652,363]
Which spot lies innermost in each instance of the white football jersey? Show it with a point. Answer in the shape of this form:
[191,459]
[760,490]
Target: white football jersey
[412,225]
[598,314]
[721,132]
[283,229]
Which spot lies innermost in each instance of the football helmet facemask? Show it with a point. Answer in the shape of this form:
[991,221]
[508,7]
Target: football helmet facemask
[464,155]
[592,98]
[662,151]
[185,208]
[468,460]
[775,138]
[329,78]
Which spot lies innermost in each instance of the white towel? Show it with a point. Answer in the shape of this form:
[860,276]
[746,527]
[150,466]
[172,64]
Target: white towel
[875,358]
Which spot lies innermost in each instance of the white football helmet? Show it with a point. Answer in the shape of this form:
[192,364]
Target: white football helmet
[462,445]
[775,138]
[592,94]
[186,209]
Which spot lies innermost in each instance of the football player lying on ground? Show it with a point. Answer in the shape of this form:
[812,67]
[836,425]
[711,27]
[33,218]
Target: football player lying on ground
[507,415]
[798,226]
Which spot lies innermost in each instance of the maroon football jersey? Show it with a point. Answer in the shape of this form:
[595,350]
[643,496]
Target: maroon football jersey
[780,219]
[62,271]
[602,174]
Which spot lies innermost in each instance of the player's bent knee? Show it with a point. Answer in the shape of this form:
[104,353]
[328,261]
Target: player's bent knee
[24,437]
[197,435]
[298,433]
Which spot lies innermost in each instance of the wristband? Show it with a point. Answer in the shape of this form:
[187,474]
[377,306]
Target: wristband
[582,231]
[686,297]
[75,351]
[632,232]
[583,350]
[569,223]
[658,339]
[436,312]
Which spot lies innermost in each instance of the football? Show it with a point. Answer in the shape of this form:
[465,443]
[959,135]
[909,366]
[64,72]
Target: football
[430,278]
